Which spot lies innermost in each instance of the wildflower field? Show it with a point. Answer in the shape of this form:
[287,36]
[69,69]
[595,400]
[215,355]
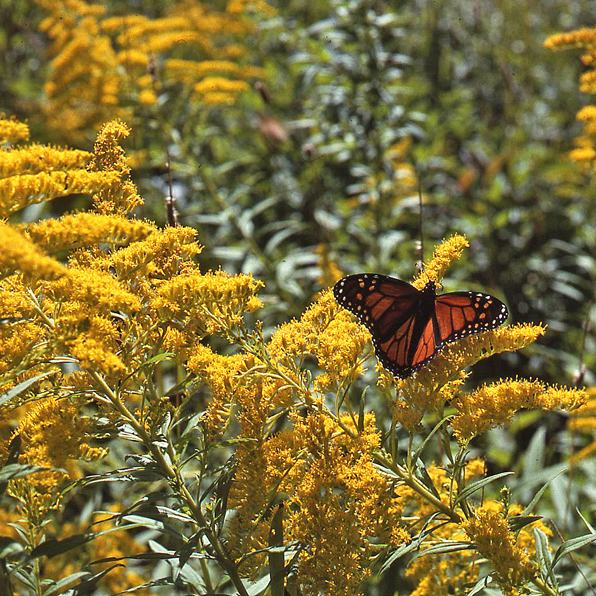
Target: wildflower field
[213,381]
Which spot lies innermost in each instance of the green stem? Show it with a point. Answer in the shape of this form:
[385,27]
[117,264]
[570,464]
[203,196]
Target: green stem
[173,475]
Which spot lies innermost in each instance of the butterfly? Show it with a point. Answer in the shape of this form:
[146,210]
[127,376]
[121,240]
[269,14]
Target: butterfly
[409,327]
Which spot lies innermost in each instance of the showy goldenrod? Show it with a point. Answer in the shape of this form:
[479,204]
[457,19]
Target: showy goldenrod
[257,457]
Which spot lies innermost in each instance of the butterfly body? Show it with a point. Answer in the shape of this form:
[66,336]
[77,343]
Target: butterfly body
[409,327]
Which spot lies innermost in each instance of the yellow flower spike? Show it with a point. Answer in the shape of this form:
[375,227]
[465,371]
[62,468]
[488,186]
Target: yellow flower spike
[490,533]
[220,84]
[327,332]
[38,158]
[495,404]
[17,192]
[19,254]
[439,381]
[215,300]
[12,131]
[447,252]
[159,256]
[574,39]
[110,159]
[86,229]
[97,289]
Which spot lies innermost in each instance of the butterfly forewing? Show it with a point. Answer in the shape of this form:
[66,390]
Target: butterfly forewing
[410,327]
[381,303]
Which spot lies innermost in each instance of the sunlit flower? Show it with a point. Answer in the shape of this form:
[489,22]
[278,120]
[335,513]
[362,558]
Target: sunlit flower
[12,131]
[19,254]
[447,252]
[85,229]
[495,404]
[490,533]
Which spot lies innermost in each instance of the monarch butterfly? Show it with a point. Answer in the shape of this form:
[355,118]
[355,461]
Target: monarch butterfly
[409,327]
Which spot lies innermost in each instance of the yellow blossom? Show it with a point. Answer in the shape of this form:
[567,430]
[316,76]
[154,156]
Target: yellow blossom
[327,332]
[17,192]
[109,157]
[221,84]
[495,404]
[85,229]
[52,433]
[214,300]
[35,158]
[438,382]
[490,533]
[444,254]
[19,254]
[12,131]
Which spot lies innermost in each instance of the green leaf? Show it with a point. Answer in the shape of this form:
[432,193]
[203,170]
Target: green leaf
[13,455]
[13,471]
[276,558]
[517,522]
[58,586]
[480,585]
[571,545]
[51,548]
[544,556]
[424,443]
[539,494]
[444,547]
[475,486]
[23,386]
[423,475]
[85,587]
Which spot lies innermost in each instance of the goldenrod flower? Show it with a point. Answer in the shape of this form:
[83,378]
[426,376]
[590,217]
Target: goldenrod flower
[17,192]
[19,254]
[85,229]
[110,158]
[39,158]
[52,434]
[582,38]
[438,381]
[490,533]
[12,131]
[220,84]
[327,332]
[444,254]
[494,405]
[214,300]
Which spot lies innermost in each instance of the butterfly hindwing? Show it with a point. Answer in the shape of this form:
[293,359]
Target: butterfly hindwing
[460,314]
[410,327]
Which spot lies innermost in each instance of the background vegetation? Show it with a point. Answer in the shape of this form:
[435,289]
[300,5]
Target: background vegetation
[311,167]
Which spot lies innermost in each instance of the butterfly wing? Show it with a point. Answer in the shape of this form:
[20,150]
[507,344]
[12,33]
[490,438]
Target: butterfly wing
[459,314]
[394,312]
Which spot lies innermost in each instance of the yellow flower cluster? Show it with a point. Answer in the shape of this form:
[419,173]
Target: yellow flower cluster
[52,434]
[98,59]
[336,499]
[489,531]
[584,38]
[486,527]
[583,420]
[12,131]
[495,404]
[328,333]
[447,252]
